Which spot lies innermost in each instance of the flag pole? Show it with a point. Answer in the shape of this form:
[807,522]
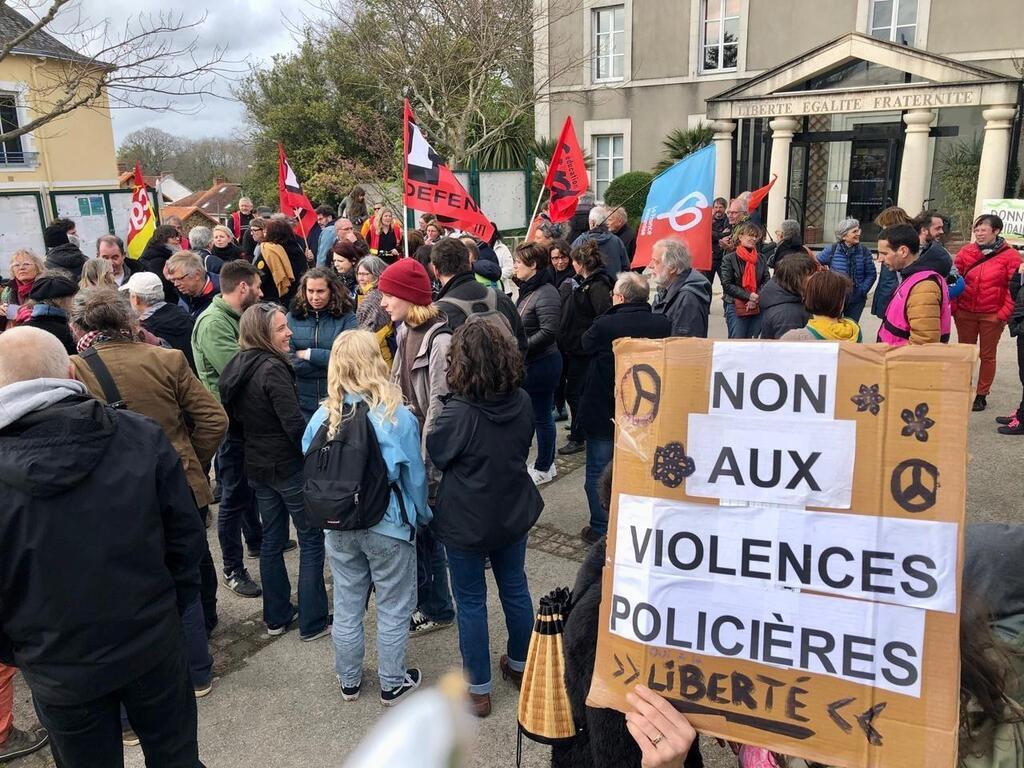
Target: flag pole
[405,231]
[533,218]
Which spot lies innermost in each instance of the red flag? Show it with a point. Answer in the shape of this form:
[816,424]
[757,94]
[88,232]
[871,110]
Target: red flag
[567,175]
[294,202]
[758,195]
[430,185]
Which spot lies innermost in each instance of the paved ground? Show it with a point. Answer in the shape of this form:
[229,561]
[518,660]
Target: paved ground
[275,702]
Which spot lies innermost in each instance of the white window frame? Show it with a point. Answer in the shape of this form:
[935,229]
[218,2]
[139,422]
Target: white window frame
[589,60]
[28,140]
[894,15]
[595,128]
[596,33]
[610,158]
[721,36]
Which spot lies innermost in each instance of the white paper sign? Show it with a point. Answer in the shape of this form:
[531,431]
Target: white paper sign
[800,462]
[890,560]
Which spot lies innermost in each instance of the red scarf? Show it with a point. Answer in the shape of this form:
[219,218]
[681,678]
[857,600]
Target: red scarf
[24,289]
[749,256]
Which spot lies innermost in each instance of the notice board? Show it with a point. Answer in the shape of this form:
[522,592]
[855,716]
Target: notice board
[785,544]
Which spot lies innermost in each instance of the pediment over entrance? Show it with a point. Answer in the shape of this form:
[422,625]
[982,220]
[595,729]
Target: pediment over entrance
[856,66]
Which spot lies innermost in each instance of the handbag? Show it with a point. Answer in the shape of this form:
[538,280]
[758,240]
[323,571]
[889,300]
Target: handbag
[742,311]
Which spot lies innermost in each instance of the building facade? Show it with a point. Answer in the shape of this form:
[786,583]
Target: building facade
[851,104]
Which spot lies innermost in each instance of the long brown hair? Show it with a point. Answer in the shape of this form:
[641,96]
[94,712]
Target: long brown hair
[341,301]
[483,362]
[256,328]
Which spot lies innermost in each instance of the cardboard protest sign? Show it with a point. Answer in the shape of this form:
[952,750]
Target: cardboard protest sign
[785,544]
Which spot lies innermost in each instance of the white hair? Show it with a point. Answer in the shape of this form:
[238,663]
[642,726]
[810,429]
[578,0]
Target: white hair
[632,287]
[598,215]
[200,237]
[789,228]
[675,255]
[845,227]
[28,353]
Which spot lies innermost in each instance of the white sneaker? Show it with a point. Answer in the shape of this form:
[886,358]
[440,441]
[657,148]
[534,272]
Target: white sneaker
[539,478]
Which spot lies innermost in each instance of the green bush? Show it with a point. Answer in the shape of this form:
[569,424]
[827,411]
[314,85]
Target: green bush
[679,143]
[957,168]
[630,191]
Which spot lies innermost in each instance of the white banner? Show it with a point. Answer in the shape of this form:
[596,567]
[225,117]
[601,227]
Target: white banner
[885,559]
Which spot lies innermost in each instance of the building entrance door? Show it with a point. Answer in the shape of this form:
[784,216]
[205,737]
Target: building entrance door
[874,180]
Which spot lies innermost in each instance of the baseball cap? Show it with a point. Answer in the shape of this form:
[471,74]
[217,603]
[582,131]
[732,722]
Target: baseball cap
[143,282]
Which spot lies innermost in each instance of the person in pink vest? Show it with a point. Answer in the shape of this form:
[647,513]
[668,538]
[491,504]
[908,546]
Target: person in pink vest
[919,311]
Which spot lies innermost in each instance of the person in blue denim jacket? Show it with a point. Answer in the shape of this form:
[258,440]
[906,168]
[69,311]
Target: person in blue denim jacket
[847,256]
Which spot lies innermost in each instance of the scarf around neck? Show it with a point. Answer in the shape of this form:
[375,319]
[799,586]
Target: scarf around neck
[831,329]
[749,257]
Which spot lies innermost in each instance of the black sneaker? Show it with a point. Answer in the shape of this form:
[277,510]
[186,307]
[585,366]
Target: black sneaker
[275,630]
[412,682]
[980,403]
[590,536]
[350,693]
[421,624]
[241,583]
[254,554]
[1015,427]
[1004,421]
[129,737]
[322,633]
[571,447]
[20,743]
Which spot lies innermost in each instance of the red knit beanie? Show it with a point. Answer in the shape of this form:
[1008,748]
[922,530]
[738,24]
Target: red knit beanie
[407,279]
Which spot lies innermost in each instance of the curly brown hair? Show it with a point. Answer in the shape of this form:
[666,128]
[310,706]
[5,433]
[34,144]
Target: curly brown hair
[340,304]
[588,256]
[278,231]
[483,362]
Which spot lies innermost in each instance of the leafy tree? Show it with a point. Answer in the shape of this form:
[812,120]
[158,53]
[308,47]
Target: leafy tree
[630,191]
[156,150]
[680,143]
[193,162]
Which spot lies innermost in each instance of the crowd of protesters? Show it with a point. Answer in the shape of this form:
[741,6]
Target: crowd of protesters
[262,358]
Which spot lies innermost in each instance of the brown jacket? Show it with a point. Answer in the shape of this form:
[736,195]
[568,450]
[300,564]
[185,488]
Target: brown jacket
[158,383]
[924,313]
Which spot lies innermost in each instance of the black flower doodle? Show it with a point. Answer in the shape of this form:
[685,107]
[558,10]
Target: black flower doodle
[917,422]
[671,465]
[868,399]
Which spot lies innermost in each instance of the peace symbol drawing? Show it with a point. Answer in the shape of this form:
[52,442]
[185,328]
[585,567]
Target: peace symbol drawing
[640,393]
[915,485]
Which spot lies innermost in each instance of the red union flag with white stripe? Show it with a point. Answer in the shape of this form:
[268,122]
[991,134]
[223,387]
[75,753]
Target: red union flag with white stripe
[430,185]
[141,221]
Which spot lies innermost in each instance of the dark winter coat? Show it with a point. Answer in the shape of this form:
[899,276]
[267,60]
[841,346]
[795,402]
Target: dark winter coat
[613,252]
[465,287]
[580,221]
[67,256]
[230,252]
[296,253]
[97,557]
[315,332]
[597,401]
[539,307]
[686,302]
[781,311]
[52,320]
[560,276]
[628,237]
[196,305]
[720,228]
[174,325]
[1016,323]
[590,297]
[787,247]
[856,263]
[257,389]
[732,275]
[481,449]
[153,259]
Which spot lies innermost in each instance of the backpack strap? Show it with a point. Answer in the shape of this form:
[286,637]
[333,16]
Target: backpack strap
[468,307]
[99,369]
[402,510]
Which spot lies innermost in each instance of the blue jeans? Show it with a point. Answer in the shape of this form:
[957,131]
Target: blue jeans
[854,310]
[236,516]
[599,454]
[470,588]
[541,381]
[276,503]
[741,327]
[433,596]
[357,559]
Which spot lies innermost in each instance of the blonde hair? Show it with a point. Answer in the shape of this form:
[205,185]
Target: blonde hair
[418,315]
[357,368]
[378,219]
[225,230]
[40,265]
[97,273]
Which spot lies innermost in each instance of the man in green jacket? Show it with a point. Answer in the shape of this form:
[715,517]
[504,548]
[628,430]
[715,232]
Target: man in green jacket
[214,343]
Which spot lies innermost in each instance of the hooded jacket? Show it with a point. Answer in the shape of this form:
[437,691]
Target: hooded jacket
[153,259]
[174,325]
[597,401]
[215,342]
[987,288]
[257,389]
[67,256]
[481,449]
[612,250]
[924,303]
[97,557]
[315,332]
[781,311]
[686,301]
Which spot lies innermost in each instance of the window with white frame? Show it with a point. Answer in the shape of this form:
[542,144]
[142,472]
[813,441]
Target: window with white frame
[720,34]
[608,161]
[11,151]
[608,26]
[894,20]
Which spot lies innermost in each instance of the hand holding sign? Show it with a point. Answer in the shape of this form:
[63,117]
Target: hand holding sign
[663,734]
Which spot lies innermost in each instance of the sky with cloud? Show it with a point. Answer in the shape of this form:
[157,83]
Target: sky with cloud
[252,32]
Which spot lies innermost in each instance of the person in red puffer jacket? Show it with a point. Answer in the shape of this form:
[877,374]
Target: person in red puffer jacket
[982,310]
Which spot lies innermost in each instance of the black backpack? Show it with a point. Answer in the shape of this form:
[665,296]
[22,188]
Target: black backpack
[346,481]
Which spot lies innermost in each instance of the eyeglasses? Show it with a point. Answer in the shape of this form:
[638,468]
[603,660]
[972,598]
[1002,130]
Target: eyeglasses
[22,265]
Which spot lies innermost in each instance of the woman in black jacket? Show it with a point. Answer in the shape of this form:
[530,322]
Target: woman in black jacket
[782,302]
[564,274]
[258,391]
[223,245]
[591,296]
[480,443]
[164,243]
[539,308]
[744,273]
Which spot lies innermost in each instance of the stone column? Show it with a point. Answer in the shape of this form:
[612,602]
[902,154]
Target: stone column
[782,138]
[914,170]
[995,151]
[723,156]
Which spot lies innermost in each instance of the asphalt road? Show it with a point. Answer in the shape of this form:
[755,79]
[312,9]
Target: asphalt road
[276,703]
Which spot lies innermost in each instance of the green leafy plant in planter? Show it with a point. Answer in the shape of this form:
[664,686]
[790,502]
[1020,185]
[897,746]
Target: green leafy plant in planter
[679,143]
[630,191]
[958,168]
